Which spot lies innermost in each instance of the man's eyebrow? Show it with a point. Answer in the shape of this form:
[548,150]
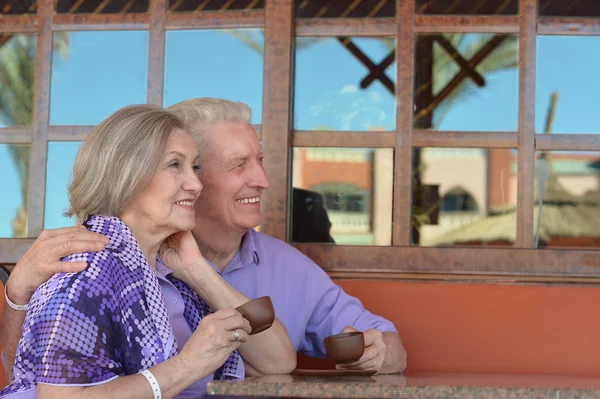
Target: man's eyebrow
[238,159]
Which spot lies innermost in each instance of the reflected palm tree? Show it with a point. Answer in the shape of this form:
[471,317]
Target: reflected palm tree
[17,82]
[504,57]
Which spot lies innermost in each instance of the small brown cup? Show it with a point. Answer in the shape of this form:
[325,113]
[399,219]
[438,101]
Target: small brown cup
[345,347]
[259,312]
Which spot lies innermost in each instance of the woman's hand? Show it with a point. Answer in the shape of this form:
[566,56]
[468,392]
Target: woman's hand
[181,254]
[214,340]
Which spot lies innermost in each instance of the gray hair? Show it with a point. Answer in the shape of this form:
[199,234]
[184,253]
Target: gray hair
[200,113]
[118,159]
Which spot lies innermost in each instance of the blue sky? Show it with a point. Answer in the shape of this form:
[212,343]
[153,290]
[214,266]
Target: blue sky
[104,71]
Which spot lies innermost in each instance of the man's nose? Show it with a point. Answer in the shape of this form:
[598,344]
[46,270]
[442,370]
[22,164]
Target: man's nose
[260,178]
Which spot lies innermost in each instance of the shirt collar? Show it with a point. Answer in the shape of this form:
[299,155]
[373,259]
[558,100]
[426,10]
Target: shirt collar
[161,268]
[247,254]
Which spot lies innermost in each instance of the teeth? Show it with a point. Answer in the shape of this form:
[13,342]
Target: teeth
[188,203]
[248,200]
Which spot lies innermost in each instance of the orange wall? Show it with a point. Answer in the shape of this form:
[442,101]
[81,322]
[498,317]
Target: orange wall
[470,328]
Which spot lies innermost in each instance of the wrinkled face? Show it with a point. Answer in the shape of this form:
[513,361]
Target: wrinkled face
[233,178]
[168,201]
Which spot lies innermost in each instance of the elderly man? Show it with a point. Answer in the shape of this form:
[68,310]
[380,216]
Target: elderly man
[307,302]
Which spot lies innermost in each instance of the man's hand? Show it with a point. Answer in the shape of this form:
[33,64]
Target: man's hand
[374,355]
[43,259]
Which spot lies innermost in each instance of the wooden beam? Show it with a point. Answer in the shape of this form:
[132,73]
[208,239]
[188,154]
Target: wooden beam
[468,278]
[460,60]
[68,133]
[567,142]
[575,26]
[216,20]
[16,135]
[19,24]
[353,27]
[526,138]
[41,107]
[368,63]
[355,139]
[100,22]
[379,70]
[455,260]
[405,61]
[277,113]
[156,54]
[11,249]
[432,138]
[466,24]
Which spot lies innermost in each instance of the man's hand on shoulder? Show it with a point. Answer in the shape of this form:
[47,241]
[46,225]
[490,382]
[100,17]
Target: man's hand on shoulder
[43,259]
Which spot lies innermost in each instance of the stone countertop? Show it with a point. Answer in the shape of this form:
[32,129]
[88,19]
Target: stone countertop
[413,386]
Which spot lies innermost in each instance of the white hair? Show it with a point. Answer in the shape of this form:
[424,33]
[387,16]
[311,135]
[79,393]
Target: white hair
[200,113]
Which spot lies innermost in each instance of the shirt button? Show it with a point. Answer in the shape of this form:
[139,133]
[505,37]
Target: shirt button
[174,300]
[255,257]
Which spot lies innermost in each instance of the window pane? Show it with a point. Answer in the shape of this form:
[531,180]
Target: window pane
[345,8]
[569,8]
[467,196]
[214,5]
[17,70]
[342,195]
[451,96]
[61,157]
[567,65]
[18,7]
[567,199]
[215,63]
[14,180]
[466,7]
[338,85]
[101,6]
[96,73]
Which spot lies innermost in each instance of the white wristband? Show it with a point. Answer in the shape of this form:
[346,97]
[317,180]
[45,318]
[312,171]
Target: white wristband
[153,383]
[12,304]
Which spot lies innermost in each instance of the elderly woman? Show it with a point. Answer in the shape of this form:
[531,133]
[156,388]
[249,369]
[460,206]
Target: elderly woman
[124,327]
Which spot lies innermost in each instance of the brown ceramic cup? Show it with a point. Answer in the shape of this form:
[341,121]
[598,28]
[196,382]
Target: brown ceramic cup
[345,347]
[259,312]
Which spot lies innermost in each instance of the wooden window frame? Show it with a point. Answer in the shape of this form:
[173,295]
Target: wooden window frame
[400,260]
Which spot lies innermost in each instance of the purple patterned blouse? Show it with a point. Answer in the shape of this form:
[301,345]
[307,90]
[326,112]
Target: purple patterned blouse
[108,321]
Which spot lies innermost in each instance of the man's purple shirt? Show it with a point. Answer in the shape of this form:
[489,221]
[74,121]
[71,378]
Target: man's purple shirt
[308,303]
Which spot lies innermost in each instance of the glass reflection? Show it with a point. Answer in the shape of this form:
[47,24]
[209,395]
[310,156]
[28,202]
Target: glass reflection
[215,63]
[214,5]
[569,8]
[61,157]
[14,180]
[467,7]
[466,82]
[17,70]
[345,8]
[97,73]
[567,199]
[567,66]
[18,7]
[345,84]
[342,195]
[101,6]
[465,196]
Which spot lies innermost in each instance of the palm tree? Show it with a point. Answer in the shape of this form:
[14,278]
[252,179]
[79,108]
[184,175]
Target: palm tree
[504,57]
[17,72]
